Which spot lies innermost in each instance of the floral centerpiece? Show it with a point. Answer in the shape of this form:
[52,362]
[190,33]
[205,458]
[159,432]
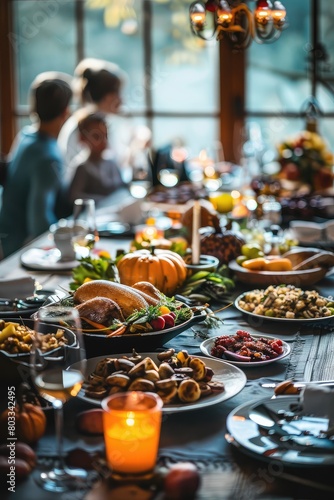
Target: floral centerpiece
[306,160]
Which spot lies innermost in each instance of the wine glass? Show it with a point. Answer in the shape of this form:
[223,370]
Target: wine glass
[85,233]
[169,177]
[58,376]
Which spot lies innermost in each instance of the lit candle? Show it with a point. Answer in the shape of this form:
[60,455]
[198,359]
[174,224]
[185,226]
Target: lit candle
[131,422]
[195,232]
[149,232]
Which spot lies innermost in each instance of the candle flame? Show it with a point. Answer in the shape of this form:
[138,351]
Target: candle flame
[130,422]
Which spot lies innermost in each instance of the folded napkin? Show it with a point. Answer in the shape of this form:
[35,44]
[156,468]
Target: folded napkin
[319,402]
[313,231]
[18,288]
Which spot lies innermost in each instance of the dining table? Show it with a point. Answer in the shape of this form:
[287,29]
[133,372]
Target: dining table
[200,436]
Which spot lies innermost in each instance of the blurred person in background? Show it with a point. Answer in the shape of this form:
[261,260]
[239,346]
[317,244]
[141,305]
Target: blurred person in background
[98,85]
[97,177]
[34,177]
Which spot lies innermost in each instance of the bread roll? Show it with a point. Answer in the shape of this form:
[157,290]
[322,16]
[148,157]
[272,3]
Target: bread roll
[126,297]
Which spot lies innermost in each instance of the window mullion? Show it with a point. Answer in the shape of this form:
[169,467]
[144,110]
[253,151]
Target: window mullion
[147,40]
[79,16]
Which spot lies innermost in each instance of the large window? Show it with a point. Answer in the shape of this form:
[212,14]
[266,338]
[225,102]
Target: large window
[178,85]
[282,76]
[172,78]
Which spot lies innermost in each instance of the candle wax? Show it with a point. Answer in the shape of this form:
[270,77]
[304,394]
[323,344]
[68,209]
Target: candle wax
[132,449]
[131,423]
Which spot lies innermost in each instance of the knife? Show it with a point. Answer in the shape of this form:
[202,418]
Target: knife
[272,385]
[318,445]
[273,427]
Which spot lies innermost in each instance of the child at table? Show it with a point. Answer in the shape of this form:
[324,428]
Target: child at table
[98,176]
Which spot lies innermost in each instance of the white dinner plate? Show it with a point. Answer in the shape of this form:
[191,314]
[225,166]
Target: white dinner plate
[208,344]
[247,436]
[299,321]
[233,378]
[41,259]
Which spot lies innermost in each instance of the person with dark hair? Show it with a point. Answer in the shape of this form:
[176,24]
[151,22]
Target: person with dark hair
[97,85]
[96,177]
[35,172]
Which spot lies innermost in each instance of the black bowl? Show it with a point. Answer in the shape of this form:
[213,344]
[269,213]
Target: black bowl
[15,367]
[23,308]
[99,345]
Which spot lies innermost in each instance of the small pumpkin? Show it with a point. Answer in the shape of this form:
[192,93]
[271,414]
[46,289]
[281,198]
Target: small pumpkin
[30,422]
[226,246]
[164,269]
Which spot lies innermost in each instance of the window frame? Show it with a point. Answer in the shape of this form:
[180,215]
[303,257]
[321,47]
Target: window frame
[230,108]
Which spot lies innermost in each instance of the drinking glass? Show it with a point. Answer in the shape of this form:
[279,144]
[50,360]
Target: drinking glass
[141,181]
[85,233]
[169,177]
[58,376]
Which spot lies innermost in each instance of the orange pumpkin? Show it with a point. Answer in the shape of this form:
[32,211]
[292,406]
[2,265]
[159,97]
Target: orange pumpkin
[165,269]
[30,422]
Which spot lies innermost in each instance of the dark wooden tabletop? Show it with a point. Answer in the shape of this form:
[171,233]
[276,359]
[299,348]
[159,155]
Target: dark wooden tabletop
[227,472]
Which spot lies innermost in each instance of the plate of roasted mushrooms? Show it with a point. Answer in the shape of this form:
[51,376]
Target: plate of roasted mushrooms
[183,381]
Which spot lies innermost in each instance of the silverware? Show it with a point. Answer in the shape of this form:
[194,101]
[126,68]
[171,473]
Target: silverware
[299,384]
[271,424]
[299,443]
[261,417]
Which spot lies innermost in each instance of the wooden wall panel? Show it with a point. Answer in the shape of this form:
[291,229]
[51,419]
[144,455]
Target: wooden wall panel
[232,100]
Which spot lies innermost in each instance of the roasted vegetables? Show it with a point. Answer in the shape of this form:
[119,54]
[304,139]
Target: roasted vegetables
[287,301]
[205,285]
[179,377]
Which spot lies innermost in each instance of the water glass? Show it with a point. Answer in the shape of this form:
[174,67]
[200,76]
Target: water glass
[84,217]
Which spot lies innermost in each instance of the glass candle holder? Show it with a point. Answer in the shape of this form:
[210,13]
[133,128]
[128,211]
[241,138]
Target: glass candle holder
[132,422]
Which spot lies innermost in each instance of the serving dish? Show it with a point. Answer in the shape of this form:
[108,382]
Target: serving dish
[208,344]
[98,344]
[23,307]
[14,367]
[299,321]
[248,436]
[233,378]
[299,278]
[45,328]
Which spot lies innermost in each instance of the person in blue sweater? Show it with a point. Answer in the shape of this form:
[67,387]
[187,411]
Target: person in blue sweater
[34,178]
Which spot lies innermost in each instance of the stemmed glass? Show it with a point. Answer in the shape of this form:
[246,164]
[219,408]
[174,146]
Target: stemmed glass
[58,376]
[85,233]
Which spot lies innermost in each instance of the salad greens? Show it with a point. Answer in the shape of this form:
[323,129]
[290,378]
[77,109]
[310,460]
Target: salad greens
[94,268]
[205,285]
